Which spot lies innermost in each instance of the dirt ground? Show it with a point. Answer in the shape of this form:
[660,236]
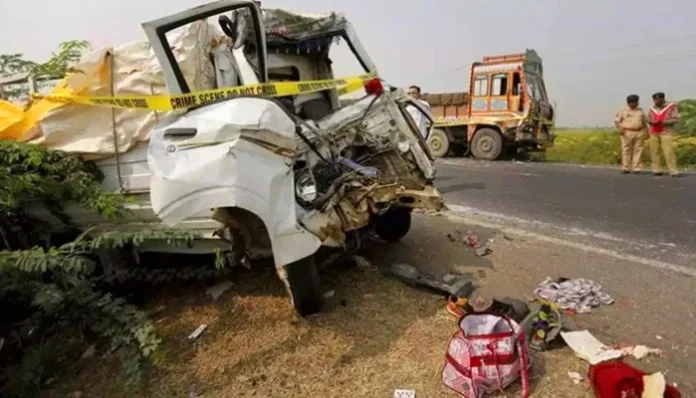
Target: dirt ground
[378,334]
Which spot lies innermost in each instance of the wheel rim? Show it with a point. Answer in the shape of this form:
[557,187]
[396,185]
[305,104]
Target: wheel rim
[436,144]
[486,145]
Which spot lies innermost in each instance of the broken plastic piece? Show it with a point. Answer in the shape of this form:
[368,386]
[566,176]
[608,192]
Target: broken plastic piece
[216,291]
[576,377]
[404,394]
[197,332]
[455,285]
[368,171]
[654,385]
[640,351]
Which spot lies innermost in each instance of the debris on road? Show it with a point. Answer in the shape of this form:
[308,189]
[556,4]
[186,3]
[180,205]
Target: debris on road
[640,351]
[542,327]
[654,385]
[361,262]
[513,308]
[216,291]
[451,284]
[404,394]
[472,241]
[615,378]
[576,377]
[506,237]
[588,348]
[89,352]
[579,295]
[197,332]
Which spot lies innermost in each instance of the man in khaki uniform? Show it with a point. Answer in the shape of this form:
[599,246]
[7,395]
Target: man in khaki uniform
[633,127]
[663,117]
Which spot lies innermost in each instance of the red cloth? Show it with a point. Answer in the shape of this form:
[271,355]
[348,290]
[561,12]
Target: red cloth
[659,116]
[614,379]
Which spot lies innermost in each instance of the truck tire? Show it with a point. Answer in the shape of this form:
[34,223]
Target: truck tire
[487,144]
[438,143]
[394,224]
[304,286]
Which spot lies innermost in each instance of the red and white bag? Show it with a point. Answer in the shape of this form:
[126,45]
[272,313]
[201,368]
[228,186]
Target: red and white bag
[488,353]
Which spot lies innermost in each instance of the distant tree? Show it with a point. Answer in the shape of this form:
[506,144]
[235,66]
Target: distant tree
[57,66]
[687,119]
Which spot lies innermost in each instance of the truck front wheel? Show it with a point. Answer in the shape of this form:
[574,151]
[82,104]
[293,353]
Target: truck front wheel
[487,144]
[304,286]
[438,143]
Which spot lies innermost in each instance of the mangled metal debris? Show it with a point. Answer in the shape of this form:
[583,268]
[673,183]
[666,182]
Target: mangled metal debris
[451,284]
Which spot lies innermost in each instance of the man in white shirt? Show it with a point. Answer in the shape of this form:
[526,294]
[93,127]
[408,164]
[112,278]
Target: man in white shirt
[418,116]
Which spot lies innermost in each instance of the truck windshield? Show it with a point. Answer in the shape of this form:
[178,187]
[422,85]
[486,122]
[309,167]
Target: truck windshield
[536,87]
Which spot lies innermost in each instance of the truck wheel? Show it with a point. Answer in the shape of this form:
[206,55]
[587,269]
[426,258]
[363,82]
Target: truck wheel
[487,144]
[304,286]
[438,143]
[394,224]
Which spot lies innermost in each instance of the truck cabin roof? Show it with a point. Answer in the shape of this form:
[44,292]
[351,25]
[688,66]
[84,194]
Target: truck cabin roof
[299,33]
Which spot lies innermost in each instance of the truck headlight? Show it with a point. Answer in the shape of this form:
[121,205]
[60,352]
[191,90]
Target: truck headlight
[305,187]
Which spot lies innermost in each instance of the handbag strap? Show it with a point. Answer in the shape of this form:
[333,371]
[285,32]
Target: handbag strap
[524,371]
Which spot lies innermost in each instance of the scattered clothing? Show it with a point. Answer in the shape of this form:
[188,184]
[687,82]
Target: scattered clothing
[579,295]
[457,306]
[612,379]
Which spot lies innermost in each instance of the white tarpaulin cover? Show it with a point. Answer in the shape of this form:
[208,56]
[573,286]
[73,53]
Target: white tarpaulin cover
[132,69]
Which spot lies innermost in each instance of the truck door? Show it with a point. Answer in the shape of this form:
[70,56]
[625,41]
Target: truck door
[516,90]
[500,90]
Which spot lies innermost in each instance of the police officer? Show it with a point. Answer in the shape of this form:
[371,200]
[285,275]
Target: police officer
[632,124]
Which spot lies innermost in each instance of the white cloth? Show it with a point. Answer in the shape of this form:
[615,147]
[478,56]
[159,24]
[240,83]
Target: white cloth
[579,295]
[419,117]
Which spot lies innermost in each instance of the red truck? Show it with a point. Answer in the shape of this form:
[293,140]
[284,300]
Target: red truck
[506,108]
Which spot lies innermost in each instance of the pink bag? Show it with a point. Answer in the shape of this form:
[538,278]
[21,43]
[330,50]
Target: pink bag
[488,353]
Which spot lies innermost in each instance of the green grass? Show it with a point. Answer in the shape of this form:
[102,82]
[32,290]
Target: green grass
[603,146]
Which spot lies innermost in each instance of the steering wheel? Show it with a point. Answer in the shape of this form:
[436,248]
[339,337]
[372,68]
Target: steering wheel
[228,27]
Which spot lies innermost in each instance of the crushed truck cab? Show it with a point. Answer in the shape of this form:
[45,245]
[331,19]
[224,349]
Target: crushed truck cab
[507,107]
[286,176]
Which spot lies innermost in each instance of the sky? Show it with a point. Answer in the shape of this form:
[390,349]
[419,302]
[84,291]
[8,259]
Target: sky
[596,52]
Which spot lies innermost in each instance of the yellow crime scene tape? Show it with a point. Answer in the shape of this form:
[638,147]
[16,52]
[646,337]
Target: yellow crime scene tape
[185,101]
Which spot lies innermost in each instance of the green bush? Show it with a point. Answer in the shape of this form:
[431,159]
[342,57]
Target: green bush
[603,147]
[55,296]
[687,119]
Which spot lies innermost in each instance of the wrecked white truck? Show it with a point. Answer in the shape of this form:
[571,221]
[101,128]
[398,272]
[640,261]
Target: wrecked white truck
[284,176]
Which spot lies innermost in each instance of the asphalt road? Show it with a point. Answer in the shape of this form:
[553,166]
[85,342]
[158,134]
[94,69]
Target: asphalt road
[638,215]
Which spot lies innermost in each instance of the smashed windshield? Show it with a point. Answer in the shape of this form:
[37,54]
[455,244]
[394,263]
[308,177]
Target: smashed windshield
[536,87]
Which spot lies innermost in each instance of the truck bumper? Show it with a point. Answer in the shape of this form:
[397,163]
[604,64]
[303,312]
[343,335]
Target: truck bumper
[542,141]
